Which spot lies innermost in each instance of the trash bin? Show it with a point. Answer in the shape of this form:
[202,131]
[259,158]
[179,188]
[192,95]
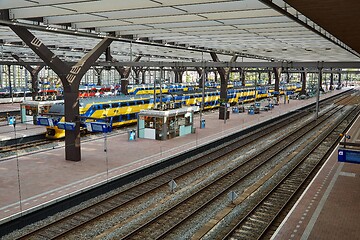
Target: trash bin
[193,130]
[203,123]
[132,135]
[235,110]
[251,111]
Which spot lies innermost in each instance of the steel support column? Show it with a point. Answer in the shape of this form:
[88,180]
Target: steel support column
[1,76]
[242,76]
[277,79]
[143,74]
[303,82]
[331,80]
[321,81]
[339,79]
[269,77]
[287,76]
[224,77]
[202,75]
[98,71]
[34,73]
[123,71]
[318,93]
[10,85]
[70,78]
[137,71]
[178,74]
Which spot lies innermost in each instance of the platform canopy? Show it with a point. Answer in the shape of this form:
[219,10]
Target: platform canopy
[173,30]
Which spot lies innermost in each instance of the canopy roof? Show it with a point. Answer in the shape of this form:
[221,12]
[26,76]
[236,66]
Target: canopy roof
[172,30]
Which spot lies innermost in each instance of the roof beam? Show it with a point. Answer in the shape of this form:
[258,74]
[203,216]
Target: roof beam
[308,64]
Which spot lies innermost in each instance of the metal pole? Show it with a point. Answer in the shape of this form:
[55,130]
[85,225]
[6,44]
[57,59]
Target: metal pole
[161,77]
[203,95]
[18,169]
[318,93]
[154,88]
[1,76]
[106,156]
[10,87]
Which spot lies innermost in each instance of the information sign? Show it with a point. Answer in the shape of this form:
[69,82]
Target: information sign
[11,120]
[45,121]
[70,126]
[350,156]
[98,127]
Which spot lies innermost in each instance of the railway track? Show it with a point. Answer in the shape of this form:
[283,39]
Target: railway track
[165,224]
[258,222]
[22,146]
[120,200]
[94,213]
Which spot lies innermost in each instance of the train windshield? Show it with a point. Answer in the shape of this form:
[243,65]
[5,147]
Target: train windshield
[57,109]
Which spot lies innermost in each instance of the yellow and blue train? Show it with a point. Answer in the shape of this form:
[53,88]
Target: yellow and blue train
[122,110]
[143,89]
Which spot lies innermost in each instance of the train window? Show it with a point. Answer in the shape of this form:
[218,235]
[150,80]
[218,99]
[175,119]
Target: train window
[131,103]
[115,105]
[115,119]
[133,116]
[146,101]
[105,106]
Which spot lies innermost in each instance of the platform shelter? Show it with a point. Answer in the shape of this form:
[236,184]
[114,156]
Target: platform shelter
[163,125]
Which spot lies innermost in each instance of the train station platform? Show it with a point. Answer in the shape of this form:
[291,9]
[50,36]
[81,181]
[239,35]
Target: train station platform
[21,130]
[9,107]
[330,206]
[35,180]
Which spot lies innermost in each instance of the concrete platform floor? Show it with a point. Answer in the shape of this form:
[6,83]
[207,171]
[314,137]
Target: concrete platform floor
[330,207]
[34,180]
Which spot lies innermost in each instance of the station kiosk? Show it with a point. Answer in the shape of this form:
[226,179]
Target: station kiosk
[30,110]
[163,125]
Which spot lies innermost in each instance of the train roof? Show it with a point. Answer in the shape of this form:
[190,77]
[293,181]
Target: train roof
[110,99]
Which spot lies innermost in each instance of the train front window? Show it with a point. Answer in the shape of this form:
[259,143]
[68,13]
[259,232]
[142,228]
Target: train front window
[57,109]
